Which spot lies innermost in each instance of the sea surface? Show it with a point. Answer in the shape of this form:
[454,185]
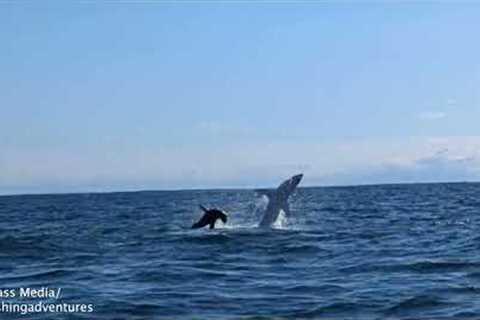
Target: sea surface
[367,252]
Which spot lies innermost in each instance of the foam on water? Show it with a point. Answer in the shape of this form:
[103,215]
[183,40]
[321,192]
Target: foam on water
[237,220]
[281,222]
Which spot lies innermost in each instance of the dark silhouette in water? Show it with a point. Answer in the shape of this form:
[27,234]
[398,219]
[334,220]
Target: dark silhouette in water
[209,218]
[278,200]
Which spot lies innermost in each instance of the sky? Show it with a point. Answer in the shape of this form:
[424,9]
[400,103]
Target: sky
[111,96]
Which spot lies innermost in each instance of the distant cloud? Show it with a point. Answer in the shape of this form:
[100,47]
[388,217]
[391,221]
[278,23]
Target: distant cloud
[213,127]
[223,128]
[451,102]
[441,166]
[431,115]
[243,164]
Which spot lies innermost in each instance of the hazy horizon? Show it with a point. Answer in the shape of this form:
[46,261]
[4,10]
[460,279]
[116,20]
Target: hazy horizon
[252,188]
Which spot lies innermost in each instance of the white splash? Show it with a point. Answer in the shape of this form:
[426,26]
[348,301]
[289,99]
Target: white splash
[281,222]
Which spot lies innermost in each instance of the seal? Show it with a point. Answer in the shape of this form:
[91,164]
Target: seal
[210,217]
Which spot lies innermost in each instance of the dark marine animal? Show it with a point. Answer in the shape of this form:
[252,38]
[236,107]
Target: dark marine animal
[278,200]
[210,217]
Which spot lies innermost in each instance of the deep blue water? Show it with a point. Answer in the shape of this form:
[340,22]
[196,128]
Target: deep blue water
[370,252]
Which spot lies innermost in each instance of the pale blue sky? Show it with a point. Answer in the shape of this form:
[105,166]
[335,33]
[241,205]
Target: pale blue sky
[117,96]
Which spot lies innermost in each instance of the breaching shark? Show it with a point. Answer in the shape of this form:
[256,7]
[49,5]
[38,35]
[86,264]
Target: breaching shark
[278,200]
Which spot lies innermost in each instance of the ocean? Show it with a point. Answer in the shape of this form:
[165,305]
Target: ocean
[369,252]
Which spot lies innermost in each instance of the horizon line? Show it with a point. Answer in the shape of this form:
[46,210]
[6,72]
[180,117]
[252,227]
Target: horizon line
[228,188]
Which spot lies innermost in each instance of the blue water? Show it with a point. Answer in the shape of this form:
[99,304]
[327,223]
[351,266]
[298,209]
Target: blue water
[370,252]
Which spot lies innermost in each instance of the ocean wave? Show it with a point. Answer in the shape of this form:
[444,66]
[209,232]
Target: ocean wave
[377,252]
[415,304]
